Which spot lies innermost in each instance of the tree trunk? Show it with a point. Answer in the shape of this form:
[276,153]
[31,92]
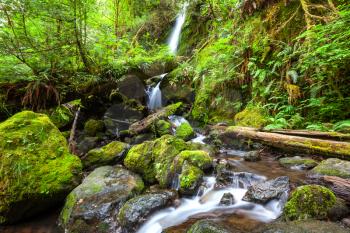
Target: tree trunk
[293,143]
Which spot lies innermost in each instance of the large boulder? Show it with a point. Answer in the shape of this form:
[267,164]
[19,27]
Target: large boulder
[161,161]
[309,201]
[37,170]
[132,87]
[297,162]
[268,190]
[135,211]
[110,154]
[91,206]
[207,226]
[119,117]
[333,167]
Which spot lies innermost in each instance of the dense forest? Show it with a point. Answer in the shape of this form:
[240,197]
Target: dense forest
[152,116]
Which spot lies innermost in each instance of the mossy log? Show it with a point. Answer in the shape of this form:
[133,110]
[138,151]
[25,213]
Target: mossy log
[314,134]
[293,143]
[340,186]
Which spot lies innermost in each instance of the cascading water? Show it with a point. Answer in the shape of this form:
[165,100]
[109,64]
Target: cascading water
[209,200]
[155,94]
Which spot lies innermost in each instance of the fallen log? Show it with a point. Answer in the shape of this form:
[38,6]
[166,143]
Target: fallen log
[146,123]
[340,186]
[292,143]
[314,134]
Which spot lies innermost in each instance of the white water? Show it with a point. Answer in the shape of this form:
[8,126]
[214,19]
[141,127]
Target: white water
[209,201]
[155,94]
[174,39]
[177,120]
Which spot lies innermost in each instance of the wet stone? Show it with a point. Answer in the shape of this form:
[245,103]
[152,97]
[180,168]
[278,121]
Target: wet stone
[227,199]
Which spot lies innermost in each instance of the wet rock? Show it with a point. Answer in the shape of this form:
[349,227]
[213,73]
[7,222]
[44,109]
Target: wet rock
[159,160]
[140,138]
[110,154]
[87,144]
[298,162]
[268,190]
[207,226]
[309,226]
[92,127]
[228,178]
[339,210]
[252,156]
[37,170]
[119,117]
[227,199]
[333,167]
[309,201]
[185,131]
[132,87]
[135,211]
[91,206]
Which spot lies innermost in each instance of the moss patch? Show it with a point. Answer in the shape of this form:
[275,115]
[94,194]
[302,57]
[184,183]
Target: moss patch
[36,165]
[309,201]
[252,117]
[92,127]
[185,131]
[333,167]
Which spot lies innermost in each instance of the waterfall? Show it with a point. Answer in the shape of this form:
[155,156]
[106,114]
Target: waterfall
[155,94]
[174,39]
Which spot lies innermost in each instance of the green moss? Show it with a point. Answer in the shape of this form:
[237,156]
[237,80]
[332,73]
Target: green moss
[162,127]
[252,117]
[309,201]
[92,127]
[140,159]
[189,177]
[333,167]
[173,108]
[185,131]
[109,154]
[297,161]
[35,162]
[198,158]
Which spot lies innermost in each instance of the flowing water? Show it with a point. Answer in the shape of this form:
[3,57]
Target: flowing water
[155,93]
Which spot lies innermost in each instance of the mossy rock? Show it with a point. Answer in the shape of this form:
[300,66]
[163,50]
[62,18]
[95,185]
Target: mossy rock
[91,206]
[64,114]
[185,131]
[110,154]
[92,127]
[198,158]
[37,168]
[309,202]
[162,128]
[251,117]
[297,162]
[333,167]
[206,226]
[190,178]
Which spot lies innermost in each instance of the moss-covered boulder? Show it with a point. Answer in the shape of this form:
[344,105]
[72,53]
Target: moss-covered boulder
[185,131]
[92,127]
[110,154]
[37,170]
[309,202]
[135,211]
[333,167]
[207,226]
[297,162]
[252,117]
[91,206]
[160,160]
[161,128]
[64,114]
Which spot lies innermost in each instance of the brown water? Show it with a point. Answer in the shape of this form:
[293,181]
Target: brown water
[235,221]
